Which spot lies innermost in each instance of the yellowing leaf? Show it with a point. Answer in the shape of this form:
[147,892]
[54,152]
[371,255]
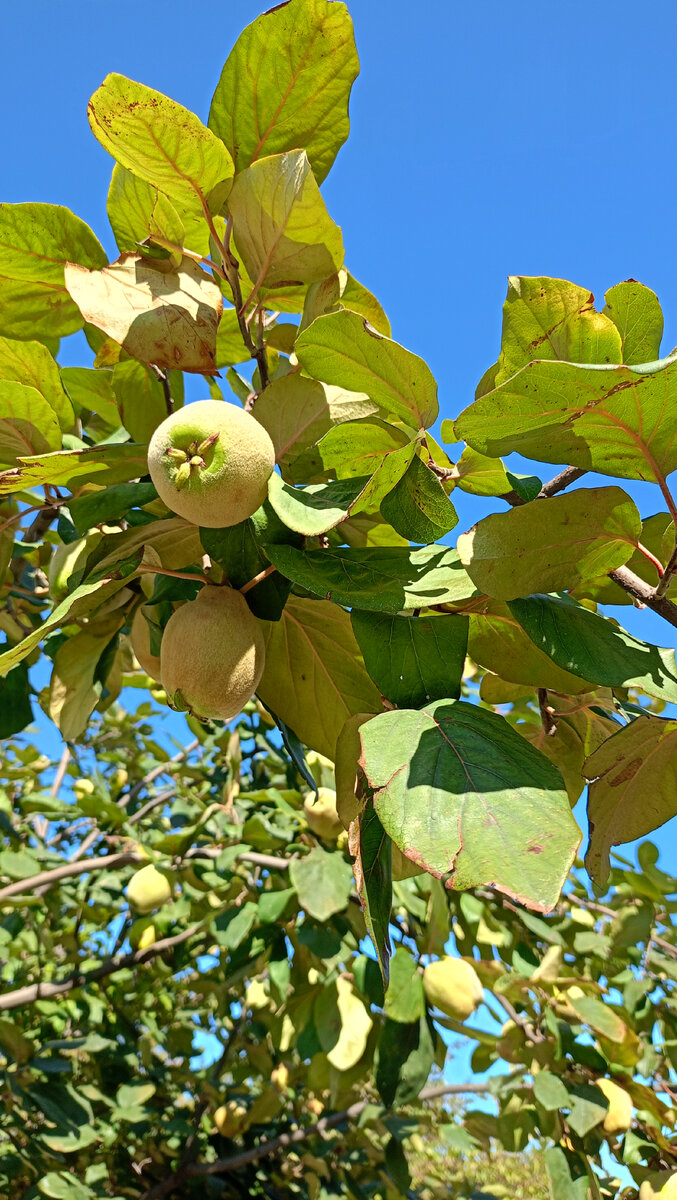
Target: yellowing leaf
[36,242]
[633,787]
[356,1026]
[162,142]
[551,545]
[314,678]
[282,229]
[286,83]
[168,318]
[297,412]
[74,691]
[31,364]
[28,423]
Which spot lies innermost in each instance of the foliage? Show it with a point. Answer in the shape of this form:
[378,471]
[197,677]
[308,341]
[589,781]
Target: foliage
[467,694]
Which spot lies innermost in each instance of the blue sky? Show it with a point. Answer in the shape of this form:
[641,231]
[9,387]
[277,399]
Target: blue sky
[487,140]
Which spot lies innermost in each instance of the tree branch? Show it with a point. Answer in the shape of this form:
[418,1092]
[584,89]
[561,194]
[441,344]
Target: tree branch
[45,991]
[645,594]
[222,1165]
[560,482]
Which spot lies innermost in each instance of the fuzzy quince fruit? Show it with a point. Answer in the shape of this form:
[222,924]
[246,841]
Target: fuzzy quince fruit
[211,462]
[230,1118]
[213,654]
[140,639]
[321,813]
[148,889]
[453,986]
[619,1117]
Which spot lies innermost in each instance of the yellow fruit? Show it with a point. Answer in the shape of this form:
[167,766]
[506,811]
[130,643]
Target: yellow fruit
[119,779]
[453,986]
[140,639]
[211,463]
[148,889]
[230,1119]
[619,1117]
[279,1076]
[83,787]
[213,654]
[667,1192]
[142,934]
[321,813]
[256,995]
[356,1025]
[68,558]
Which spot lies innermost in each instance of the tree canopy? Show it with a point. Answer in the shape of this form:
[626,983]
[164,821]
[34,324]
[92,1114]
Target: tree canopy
[447,699]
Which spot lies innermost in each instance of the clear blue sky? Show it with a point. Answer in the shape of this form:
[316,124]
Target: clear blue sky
[487,139]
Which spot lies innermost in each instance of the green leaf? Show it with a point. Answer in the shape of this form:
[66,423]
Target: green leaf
[381,579]
[102,464]
[18,864]
[614,420]
[13,1042]
[550,1092]
[636,312]
[405,998]
[233,926]
[498,642]
[137,211]
[141,399]
[70,1143]
[371,849]
[599,1017]
[405,1055]
[345,350]
[595,647]
[28,423]
[323,882]
[553,319]
[74,688]
[317,508]
[162,142]
[470,801]
[297,412]
[230,348]
[109,504]
[92,391]
[314,678]
[134,1093]
[418,507]
[565,1186]
[31,364]
[339,291]
[281,226]
[168,318]
[475,473]
[15,704]
[239,550]
[36,242]
[632,788]
[62,1185]
[551,545]
[361,446]
[413,660]
[286,84]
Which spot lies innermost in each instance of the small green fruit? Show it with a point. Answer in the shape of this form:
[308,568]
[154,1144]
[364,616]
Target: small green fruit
[211,463]
[148,889]
[453,986]
[213,654]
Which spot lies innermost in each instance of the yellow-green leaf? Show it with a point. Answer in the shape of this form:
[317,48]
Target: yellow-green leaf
[28,423]
[32,364]
[286,84]
[162,142]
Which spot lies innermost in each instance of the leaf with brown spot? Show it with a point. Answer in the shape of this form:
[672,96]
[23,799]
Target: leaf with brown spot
[633,787]
[169,318]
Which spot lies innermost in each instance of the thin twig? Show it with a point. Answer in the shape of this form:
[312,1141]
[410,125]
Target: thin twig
[532,1034]
[257,579]
[163,377]
[560,482]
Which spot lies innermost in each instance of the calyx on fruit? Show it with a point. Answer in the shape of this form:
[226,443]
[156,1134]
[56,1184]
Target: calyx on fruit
[148,889]
[213,655]
[140,639]
[211,462]
[619,1117]
[453,986]
[321,813]
[230,1118]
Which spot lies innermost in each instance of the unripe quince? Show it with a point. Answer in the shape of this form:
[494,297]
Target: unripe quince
[321,813]
[140,639]
[211,463]
[667,1192]
[68,558]
[148,889]
[142,934]
[213,655]
[231,1118]
[619,1117]
[83,787]
[453,986]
